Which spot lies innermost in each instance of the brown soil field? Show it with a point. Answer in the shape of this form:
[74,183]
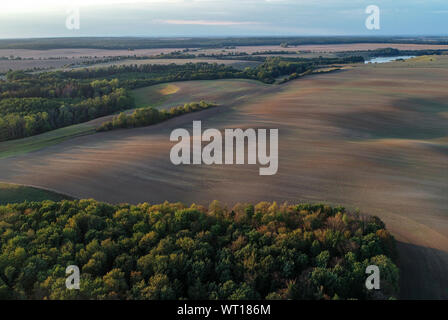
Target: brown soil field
[372,137]
[81,52]
[6,65]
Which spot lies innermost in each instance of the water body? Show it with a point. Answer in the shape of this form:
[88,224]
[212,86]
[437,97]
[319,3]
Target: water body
[387,59]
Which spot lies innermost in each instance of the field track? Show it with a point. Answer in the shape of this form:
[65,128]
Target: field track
[371,137]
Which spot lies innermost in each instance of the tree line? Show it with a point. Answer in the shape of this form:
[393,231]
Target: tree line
[131,43]
[274,67]
[392,52]
[147,116]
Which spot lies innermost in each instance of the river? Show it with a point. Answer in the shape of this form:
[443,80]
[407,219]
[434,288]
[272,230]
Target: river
[387,59]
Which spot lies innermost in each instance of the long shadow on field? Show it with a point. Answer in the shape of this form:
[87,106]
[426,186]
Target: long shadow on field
[414,118]
[423,272]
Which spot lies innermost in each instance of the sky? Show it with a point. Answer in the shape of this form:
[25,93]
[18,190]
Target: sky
[202,18]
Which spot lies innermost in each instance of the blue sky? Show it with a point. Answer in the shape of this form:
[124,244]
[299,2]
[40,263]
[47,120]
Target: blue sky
[163,18]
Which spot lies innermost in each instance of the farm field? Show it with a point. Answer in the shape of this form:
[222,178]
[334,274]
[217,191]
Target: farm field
[80,53]
[66,63]
[224,92]
[330,47]
[101,53]
[6,65]
[372,137]
[59,59]
[162,96]
[235,63]
[33,143]
[10,193]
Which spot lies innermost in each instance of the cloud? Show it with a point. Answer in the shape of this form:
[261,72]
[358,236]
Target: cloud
[207,22]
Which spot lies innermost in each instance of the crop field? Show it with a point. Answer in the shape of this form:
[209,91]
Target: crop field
[372,137]
[40,64]
[73,63]
[101,53]
[235,63]
[33,143]
[162,96]
[224,92]
[57,59]
[327,48]
[81,53]
[10,193]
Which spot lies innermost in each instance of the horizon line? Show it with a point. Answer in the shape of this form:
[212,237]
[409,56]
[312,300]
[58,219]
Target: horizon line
[180,37]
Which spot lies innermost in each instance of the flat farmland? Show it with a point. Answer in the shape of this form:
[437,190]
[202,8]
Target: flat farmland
[328,48]
[372,137]
[66,64]
[235,63]
[101,53]
[81,53]
[61,58]
[40,64]
[369,46]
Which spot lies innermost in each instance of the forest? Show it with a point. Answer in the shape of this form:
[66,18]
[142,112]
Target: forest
[23,117]
[172,251]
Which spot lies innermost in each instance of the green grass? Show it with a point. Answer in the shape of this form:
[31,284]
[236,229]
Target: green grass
[11,193]
[34,143]
[150,96]
[161,95]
